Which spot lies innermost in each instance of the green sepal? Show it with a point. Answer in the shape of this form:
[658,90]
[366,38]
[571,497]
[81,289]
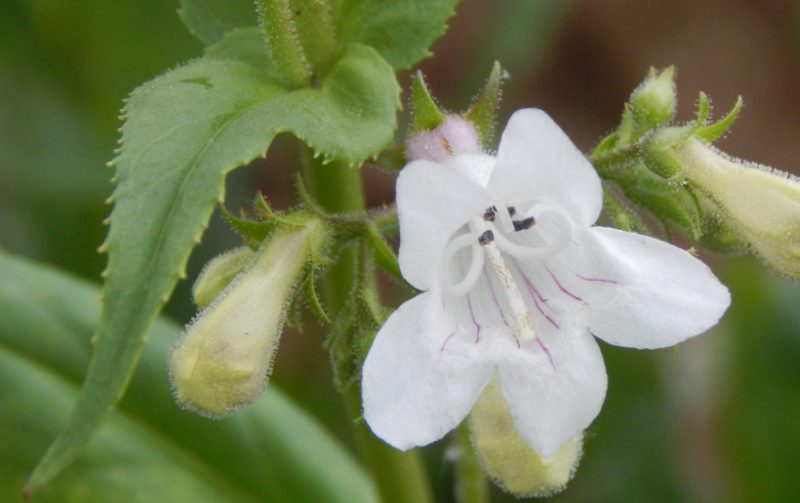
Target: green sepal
[713,132]
[621,215]
[312,298]
[427,114]
[703,109]
[357,321]
[385,258]
[662,163]
[253,232]
[625,131]
[669,201]
[305,198]
[719,235]
[606,145]
[483,111]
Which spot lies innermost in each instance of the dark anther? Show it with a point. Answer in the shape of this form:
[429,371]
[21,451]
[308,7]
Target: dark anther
[491,211]
[521,225]
[512,211]
[486,238]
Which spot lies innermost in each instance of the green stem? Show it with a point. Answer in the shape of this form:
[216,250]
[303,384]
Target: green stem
[280,34]
[399,476]
[316,30]
[471,486]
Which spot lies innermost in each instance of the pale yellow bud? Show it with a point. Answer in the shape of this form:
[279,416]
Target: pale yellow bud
[506,457]
[223,359]
[761,203]
[218,273]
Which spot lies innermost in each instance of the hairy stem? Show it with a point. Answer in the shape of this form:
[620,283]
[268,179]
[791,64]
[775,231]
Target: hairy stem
[399,476]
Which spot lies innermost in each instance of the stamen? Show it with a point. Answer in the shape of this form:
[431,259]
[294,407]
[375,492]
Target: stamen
[475,266]
[486,238]
[522,225]
[522,321]
[490,213]
[505,218]
[539,252]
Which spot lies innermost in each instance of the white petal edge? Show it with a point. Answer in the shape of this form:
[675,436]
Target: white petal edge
[551,403]
[433,201]
[664,296]
[413,392]
[536,159]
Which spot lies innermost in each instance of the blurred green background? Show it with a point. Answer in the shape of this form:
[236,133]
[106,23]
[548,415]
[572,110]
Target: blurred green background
[714,419]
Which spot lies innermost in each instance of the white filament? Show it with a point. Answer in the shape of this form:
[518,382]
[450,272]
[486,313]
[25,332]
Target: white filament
[464,286]
[493,249]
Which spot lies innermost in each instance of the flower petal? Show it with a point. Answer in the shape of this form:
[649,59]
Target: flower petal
[537,160]
[662,295]
[414,392]
[554,394]
[433,201]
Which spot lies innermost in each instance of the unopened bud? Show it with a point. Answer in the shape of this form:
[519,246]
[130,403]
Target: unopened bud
[218,273]
[653,102]
[761,203]
[453,136]
[223,359]
[506,457]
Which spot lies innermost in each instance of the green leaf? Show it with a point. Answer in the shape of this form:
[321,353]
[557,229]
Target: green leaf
[184,132]
[401,31]
[149,449]
[209,20]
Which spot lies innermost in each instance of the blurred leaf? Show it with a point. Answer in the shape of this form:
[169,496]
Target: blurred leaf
[51,180]
[149,450]
[184,131]
[761,428]
[209,20]
[401,32]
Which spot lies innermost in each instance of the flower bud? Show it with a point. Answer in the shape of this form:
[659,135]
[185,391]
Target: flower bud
[453,136]
[224,357]
[218,273]
[508,459]
[761,203]
[653,102]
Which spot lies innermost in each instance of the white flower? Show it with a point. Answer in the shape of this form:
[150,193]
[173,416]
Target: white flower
[517,284]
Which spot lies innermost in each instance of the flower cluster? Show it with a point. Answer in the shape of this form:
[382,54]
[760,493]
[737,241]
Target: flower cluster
[517,284]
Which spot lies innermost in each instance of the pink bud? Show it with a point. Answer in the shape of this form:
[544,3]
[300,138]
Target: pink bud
[452,137]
